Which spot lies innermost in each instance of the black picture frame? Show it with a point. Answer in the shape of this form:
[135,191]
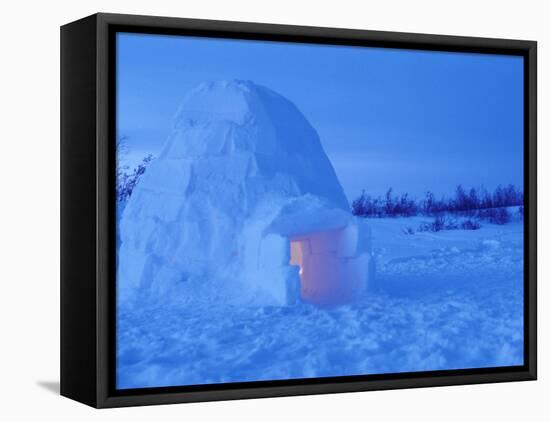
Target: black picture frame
[87,210]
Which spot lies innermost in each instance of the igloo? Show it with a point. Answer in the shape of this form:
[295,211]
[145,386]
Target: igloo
[242,205]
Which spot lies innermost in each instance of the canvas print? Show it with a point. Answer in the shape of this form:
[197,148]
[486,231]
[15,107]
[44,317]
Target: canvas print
[290,211]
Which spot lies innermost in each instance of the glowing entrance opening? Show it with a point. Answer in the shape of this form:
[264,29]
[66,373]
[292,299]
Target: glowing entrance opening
[299,249]
[296,255]
[331,270]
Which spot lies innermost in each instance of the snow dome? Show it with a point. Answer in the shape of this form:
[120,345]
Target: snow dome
[242,205]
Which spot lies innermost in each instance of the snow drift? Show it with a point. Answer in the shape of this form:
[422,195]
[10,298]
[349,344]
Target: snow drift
[242,206]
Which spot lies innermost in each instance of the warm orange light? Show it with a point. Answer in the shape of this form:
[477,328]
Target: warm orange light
[296,255]
[330,271]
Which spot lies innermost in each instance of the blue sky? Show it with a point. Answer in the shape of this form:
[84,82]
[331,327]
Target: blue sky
[411,120]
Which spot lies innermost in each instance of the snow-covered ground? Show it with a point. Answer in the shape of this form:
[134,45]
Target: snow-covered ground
[446,300]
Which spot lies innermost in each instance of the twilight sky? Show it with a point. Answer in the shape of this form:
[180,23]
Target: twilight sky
[411,120]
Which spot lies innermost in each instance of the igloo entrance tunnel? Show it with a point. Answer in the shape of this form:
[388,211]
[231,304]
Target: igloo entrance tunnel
[242,206]
[330,270]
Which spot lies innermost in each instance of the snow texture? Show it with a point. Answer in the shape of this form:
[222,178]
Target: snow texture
[446,300]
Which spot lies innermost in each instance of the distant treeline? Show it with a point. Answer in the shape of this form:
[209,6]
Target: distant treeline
[464,202]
